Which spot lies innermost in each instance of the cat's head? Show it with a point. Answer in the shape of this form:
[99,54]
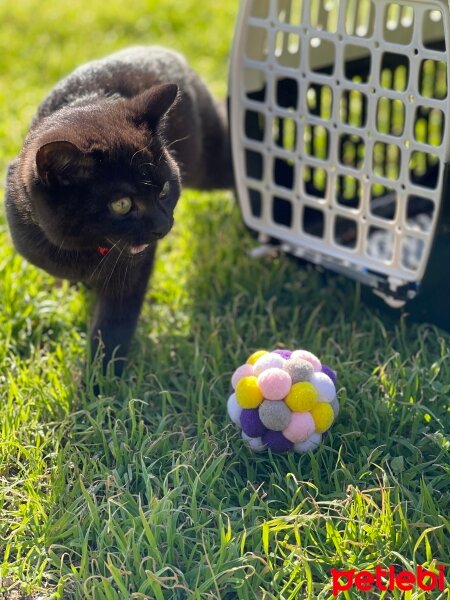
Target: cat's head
[102,175]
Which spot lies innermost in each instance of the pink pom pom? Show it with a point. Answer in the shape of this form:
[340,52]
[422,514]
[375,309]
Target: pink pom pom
[274,384]
[300,428]
[310,357]
[242,371]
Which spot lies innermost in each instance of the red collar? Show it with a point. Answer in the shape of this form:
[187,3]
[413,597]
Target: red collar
[103,250]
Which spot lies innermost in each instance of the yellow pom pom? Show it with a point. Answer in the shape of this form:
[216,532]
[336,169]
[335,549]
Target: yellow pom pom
[248,393]
[323,416]
[302,397]
[254,357]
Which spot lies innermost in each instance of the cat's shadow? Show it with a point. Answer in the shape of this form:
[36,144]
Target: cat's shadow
[235,303]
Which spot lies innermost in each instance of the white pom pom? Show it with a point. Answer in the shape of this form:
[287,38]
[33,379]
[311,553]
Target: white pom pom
[255,444]
[324,386]
[335,407]
[310,444]
[234,410]
[268,361]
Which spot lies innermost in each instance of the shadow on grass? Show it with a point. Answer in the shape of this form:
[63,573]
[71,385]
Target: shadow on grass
[155,492]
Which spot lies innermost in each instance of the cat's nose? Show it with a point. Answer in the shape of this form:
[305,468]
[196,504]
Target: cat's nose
[161,224]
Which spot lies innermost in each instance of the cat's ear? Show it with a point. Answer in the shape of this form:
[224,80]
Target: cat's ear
[150,106]
[62,162]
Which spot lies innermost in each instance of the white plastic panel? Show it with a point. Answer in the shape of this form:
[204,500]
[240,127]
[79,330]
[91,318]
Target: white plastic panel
[340,129]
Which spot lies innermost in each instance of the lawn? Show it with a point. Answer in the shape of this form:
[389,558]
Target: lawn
[147,491]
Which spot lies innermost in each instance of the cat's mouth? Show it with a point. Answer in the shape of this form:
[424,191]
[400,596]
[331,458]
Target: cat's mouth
[133,250]
[129,250]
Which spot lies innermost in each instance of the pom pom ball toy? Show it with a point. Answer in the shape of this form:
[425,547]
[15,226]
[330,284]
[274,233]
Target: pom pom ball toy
[283,400]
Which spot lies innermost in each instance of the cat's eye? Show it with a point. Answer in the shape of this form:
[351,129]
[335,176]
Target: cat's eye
[165,189]
[122,206]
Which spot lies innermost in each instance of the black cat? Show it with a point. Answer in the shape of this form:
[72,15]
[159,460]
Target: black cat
[100,173]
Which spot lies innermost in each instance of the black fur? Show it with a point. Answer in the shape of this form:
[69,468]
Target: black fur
[137,124]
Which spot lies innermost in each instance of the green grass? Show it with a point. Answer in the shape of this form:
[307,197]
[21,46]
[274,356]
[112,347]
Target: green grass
[147,491]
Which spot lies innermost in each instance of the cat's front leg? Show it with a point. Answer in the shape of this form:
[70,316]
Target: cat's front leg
[116,313]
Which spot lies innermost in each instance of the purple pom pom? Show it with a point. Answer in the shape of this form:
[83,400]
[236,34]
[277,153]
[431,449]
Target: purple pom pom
[331,374]
[276,441]
[251,423]
[286,354]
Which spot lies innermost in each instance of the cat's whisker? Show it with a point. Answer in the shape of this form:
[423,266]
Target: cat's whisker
[60,246]
[186,137]
[136,153]
[149,184]
[124,279]
[102,261]
[114,268]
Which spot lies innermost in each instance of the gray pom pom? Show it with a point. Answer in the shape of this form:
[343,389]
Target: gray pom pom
[335,407]
[299,369]
[274,414]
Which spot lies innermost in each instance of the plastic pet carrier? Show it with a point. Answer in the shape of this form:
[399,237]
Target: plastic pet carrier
[340,134]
